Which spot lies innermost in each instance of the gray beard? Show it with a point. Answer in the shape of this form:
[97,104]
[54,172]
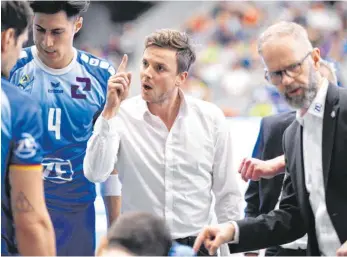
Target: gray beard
[303,101]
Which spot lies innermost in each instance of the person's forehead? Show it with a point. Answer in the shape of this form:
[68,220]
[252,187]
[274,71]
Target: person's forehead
[279,53]
[51,21]
[159,54]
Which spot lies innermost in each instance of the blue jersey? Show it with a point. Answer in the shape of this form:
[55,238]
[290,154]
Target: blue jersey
[21,130]
[69,98]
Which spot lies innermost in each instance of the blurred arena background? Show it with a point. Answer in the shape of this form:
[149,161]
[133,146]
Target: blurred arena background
[228,71]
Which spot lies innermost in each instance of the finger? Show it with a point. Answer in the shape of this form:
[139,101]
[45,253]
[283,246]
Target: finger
[123,75]
[208,243]
[244,169]
[120,80]
[217,242]
[126,90]
[341,252]
[256,175]
[241,165]
[117,87]
[200,239]
[129,77]
[249,172]
[123,65]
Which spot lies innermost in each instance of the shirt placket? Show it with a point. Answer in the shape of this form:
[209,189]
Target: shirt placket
[168,181]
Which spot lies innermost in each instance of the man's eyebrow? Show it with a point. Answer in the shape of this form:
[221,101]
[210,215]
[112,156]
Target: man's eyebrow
[56,29]
[39,26]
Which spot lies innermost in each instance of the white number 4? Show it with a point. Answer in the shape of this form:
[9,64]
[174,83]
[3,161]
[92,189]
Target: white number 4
[54,125]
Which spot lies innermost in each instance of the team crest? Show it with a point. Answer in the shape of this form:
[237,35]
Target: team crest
[25,82]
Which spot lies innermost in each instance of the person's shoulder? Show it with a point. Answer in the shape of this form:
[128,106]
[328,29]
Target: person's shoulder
[17,98]
[98,67]
[205,108]
[280,119]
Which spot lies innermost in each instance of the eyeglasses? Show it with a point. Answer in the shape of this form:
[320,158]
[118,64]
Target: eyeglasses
[294,70]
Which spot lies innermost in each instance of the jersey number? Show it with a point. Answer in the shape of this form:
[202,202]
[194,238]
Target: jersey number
[54,121]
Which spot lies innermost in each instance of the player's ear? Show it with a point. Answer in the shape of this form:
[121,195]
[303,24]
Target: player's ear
[7,38]
[78,24]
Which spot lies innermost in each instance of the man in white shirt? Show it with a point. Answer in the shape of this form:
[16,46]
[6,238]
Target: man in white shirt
[172,151]
[315,147]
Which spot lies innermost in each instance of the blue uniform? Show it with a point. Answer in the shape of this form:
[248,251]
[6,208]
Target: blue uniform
[21,130]
[69,98]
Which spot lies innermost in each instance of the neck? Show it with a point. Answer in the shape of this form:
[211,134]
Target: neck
[167,110]
[4,74]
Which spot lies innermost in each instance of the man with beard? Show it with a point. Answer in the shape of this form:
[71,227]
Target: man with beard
[172,151]
[314,191]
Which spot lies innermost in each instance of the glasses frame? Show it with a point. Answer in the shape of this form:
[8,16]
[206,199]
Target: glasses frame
[286,71]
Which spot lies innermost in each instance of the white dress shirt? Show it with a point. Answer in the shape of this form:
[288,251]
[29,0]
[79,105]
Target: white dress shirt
[312,123]
[174,174]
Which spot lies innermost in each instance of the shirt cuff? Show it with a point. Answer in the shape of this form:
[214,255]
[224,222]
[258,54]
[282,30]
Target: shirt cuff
[236,234]
[105,127]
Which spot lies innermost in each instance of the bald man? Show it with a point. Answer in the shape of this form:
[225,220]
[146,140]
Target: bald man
[315,147]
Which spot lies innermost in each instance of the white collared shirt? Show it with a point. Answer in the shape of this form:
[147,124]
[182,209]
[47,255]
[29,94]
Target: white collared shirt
[173,174]
[312,123]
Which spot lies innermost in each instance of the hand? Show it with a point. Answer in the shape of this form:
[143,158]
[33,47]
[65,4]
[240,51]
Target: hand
[342,251]
[254,169]
[117,89]
[214,236]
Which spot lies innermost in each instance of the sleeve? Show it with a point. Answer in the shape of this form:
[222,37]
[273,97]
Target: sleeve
[27,136]
[225,181]
[107,74]
[275,228]
[102,150]
[252,192]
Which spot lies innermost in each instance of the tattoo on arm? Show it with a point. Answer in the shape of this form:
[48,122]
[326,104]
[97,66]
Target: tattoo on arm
[21,204]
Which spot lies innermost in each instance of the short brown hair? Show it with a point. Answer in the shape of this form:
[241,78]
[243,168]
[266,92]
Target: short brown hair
[176,40]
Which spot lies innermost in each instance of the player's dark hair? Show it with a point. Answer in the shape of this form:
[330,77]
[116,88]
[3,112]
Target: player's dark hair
[141,234]
[15,15]
[71,8]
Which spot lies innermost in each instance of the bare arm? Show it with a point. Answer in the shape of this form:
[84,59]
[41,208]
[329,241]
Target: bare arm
[112,205]
[34,229]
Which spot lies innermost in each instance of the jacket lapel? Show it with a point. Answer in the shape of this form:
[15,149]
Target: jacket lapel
[329,125]
[299,174]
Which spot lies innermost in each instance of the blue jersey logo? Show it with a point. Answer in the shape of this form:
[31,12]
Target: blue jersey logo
[57,170]
[55,88]
[26,147]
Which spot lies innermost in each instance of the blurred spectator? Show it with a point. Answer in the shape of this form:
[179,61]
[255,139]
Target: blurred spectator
[229,64]
[228,70]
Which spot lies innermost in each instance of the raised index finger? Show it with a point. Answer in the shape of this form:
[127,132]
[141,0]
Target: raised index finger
[123,65]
